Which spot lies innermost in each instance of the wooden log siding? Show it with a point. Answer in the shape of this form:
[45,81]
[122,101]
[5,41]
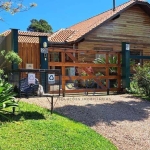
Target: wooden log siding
[83,65]
[132,26]
[30,54]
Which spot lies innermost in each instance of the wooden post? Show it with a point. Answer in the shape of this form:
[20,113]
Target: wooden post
[119,71]
[107,73]
[14,44]
[126,65]
[63,73]
[44,61]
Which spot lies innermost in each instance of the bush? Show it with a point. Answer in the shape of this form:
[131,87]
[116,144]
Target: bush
[7,98]
[141,80]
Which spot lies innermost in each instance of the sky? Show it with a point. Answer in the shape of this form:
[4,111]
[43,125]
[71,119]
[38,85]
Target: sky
[58,13]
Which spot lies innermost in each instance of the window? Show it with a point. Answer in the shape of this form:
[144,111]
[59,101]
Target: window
[137,53]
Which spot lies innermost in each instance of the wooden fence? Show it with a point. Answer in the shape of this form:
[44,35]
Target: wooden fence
[87,71]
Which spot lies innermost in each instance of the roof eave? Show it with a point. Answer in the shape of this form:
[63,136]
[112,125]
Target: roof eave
[136,2]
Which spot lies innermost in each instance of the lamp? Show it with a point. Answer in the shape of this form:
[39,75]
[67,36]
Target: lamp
[44,44]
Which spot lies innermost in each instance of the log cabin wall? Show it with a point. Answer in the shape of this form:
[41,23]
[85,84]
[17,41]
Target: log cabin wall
[131,26]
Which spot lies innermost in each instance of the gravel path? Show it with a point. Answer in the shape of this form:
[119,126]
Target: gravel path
[122,119]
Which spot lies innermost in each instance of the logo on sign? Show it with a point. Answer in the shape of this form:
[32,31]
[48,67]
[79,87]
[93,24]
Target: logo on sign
[31,78]
[51,78]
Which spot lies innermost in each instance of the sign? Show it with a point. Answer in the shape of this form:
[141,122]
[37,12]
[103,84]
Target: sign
[44,50]
[51,78]
[29,66]
[72,71]
[127,47]
[31,78]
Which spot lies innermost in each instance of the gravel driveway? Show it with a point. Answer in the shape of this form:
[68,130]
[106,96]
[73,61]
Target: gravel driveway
[122,119]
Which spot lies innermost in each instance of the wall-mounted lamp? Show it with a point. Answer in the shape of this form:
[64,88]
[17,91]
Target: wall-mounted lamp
[44,44]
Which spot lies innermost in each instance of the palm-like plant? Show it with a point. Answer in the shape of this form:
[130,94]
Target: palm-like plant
[7,98]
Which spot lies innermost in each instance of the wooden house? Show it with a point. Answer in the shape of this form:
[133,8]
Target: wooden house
[129,22]
[103,35]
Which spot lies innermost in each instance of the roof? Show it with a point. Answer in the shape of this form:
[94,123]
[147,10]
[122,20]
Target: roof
[27,37]
[77,31]
[61,35]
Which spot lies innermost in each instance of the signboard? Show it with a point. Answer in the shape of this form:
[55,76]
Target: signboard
[31,78]
[51,78]
[29,66]
[127,47]
[44,50]
[72,71]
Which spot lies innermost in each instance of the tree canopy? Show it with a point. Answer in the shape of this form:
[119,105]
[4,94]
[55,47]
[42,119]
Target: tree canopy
[39,26]
[14,6]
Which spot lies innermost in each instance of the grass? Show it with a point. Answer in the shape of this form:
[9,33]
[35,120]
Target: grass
[34,128]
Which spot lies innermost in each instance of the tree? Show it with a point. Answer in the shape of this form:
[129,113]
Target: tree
[39,26]
[7,98]
[8,57]
[14,6]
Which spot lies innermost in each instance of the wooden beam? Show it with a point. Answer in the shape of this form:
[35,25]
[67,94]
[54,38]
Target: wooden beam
[83,90]
[72,57]
[70,64]
[80,51]
[107,71]
[90,77]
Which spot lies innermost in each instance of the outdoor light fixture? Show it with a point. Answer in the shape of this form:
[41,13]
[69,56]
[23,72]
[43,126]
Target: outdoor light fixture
[44,44]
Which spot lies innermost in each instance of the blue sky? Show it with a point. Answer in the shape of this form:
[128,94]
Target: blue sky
[58,13]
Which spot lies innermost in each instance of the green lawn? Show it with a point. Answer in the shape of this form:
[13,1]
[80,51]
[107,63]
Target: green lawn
[36,129]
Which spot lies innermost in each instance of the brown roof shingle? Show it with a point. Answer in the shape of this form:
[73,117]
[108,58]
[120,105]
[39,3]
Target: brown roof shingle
[79,30]
[27,37]
[61,35]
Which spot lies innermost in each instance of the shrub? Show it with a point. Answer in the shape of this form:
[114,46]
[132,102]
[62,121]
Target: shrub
[8,57]
[141,80]
[7,98]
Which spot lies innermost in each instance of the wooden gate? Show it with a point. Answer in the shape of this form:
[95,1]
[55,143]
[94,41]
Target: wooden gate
[81,73]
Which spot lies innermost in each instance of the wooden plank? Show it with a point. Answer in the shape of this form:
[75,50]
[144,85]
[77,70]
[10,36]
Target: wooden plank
[29,53]
[33,56]
[107,71]
[70,64]
[20,53]
[80,51]
[91,77]
[83,90]
[72,57]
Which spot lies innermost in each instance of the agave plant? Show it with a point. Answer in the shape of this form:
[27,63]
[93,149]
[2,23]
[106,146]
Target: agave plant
[7,98]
